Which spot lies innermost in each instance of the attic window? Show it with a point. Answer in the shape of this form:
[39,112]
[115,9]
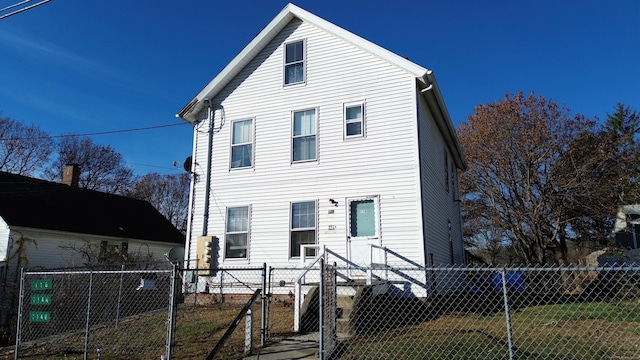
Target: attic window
[294,63]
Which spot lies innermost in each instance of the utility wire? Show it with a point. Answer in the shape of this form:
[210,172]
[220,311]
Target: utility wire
[2,16]
[94,133]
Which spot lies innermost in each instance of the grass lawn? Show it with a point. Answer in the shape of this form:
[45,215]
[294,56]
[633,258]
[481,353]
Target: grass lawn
[598,330]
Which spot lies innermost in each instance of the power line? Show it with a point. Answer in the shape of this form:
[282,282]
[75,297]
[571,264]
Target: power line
[2,16]
[94,133]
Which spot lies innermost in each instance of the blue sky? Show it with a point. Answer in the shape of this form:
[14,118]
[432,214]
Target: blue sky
[78,66]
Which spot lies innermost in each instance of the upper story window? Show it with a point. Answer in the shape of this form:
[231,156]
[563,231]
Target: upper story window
[294,63]
[354,120]
[304,135]
[237,235]
[242,144]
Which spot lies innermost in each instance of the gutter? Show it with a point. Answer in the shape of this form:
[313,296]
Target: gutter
[436,102]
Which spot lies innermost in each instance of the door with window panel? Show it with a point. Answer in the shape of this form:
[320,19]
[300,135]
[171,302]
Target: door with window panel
[363,231]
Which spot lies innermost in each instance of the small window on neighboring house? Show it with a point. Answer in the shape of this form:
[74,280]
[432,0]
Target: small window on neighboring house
[237,234]
[304,135]
[303,227]
[354,120]
[242,144]
[446,170]
[453,182]
[294,63]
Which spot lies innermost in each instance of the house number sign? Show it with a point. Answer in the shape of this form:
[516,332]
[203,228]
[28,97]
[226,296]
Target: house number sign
[40,299]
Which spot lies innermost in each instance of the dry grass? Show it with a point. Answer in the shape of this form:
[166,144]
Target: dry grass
[197,331]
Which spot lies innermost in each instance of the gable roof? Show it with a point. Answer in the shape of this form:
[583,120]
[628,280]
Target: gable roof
[40,204]
[425,78]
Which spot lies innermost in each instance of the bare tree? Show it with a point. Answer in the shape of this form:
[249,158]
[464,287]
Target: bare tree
[101,167]
[23,149]
[513,148]
[169,194]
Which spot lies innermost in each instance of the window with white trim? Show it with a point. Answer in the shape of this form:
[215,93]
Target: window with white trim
[303,228]
[294,62]
[353,120]
[304,144]
[242,144]
[237,233]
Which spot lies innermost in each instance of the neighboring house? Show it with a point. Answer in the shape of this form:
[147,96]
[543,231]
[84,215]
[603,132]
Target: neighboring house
[312,135]
[627,226]
[56,223]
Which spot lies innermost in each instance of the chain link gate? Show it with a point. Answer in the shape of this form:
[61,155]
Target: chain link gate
[125,314]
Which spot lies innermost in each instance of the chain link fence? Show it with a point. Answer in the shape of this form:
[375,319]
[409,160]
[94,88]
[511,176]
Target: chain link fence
[520,313]
[108,313]
[353,313]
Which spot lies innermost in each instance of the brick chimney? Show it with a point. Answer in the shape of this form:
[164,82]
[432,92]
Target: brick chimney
[71,175]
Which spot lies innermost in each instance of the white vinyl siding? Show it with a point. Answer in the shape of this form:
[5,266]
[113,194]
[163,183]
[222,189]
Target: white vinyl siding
[385,164]
[437,177]
[50,249]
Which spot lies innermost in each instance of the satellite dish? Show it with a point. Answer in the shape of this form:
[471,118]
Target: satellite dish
[176,254]
[187,164]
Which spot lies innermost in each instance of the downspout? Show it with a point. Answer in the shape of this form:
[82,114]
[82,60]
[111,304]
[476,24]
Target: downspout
[207,184]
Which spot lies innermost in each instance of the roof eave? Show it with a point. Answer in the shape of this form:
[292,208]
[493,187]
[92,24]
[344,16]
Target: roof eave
[188,113]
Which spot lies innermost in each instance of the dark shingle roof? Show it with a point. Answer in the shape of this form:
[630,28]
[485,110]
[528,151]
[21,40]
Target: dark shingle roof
[34,203]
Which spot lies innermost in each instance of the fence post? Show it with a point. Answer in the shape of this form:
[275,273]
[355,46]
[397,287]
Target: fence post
[248,330]
[172,310]
[88,324]
[321,309]
[221,287]
[263,307]
[298,306]
[119,296]
[20,302]
[506,313]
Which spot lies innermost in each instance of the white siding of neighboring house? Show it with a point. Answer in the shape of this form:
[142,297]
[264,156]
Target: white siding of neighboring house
[54,249]
[440,205]
[4,240]
[385,163]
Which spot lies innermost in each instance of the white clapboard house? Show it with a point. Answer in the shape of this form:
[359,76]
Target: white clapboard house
[312,135]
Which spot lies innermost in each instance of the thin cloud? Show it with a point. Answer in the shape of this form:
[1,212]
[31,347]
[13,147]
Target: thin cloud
[39,49]
[86,67]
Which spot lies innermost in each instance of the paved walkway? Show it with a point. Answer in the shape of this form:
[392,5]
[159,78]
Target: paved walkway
[297,347]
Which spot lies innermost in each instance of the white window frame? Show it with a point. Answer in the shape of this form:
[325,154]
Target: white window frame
[293,63]
[252,143]
[294,136]
[228,232]
[310,251]
[347,121]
